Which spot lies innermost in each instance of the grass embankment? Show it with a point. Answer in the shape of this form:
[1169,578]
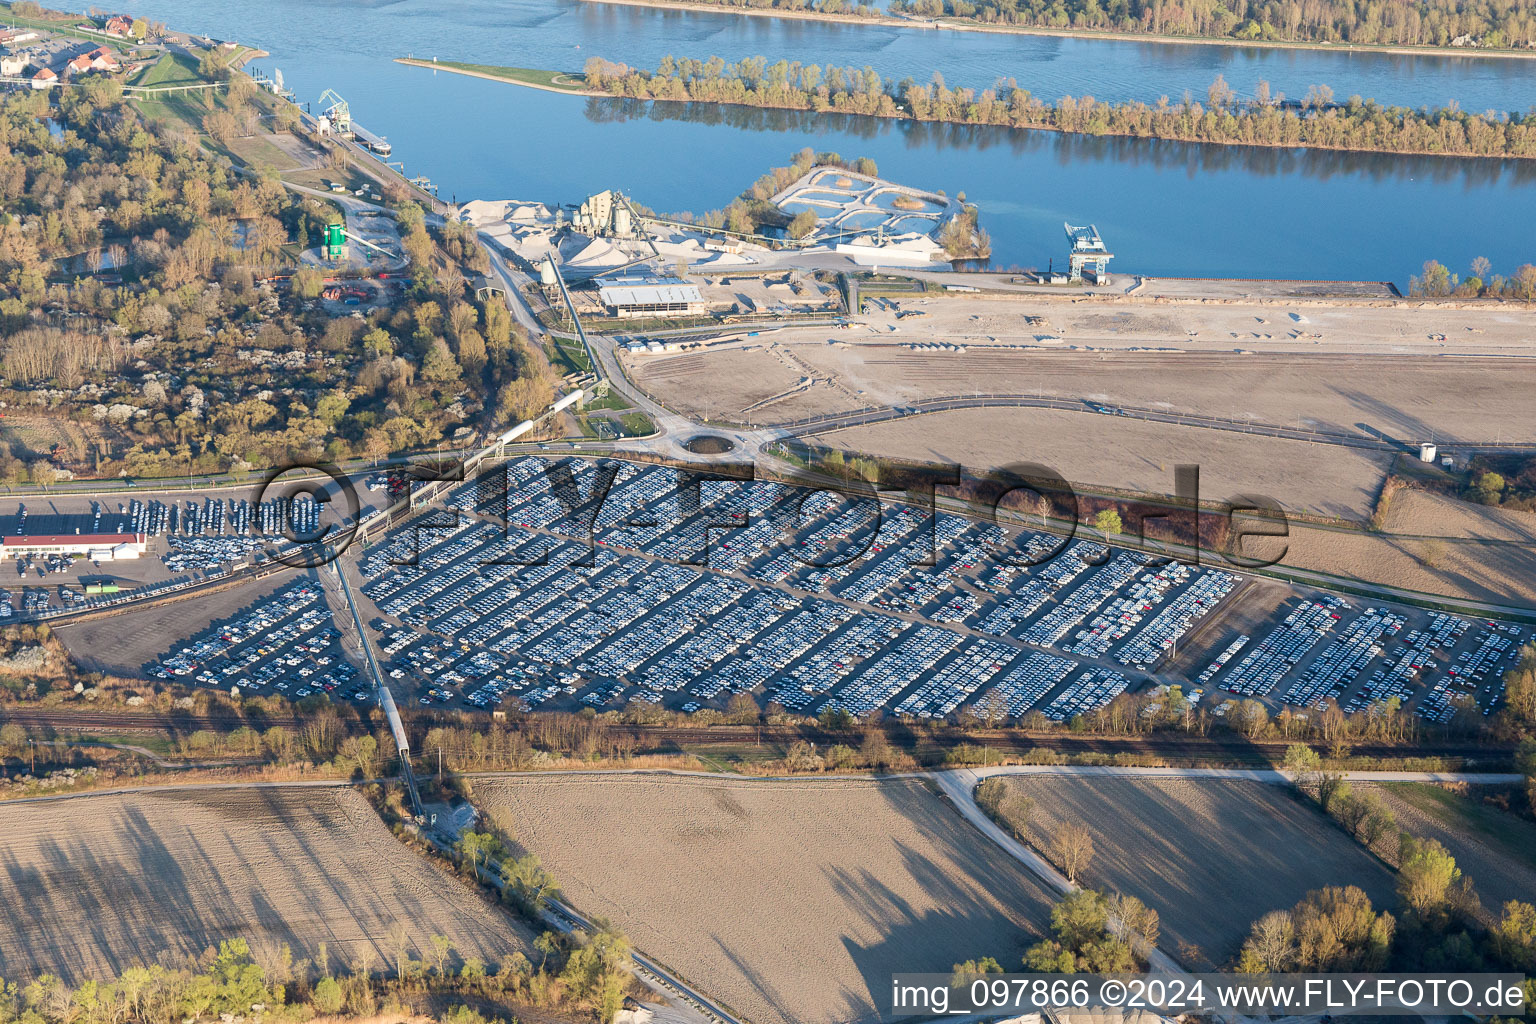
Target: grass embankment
[170,71]
[1465,816]
[555,81]
[568,356]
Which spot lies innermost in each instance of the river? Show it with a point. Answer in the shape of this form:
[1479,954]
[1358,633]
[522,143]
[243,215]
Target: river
[1166,208]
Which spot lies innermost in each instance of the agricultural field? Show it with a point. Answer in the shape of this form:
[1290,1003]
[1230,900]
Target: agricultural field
[92,885]
[1209,856]
[792,902]
[1134,455]
[1492,847]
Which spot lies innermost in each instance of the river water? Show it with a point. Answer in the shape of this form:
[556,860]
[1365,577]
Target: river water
[1166,208]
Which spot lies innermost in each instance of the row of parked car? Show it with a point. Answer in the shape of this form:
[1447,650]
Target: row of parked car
[285,644]
[868,609]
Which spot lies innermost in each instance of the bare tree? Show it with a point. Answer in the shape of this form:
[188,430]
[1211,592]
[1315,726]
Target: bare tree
[1271,945]
[1074,848]
[442,946]
[400,943]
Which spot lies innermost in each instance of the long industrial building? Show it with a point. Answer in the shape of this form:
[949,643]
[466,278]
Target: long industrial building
[100,547]
[631,297]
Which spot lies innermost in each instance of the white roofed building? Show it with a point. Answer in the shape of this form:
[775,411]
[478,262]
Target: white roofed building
[632,297]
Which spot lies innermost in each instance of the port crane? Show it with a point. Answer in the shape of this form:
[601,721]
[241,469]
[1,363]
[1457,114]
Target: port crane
[333,107]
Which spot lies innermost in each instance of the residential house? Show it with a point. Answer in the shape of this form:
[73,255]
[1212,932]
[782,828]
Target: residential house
[44,79]
[12,65]
[118,25]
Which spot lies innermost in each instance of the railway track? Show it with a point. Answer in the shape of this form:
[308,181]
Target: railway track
[1173,749]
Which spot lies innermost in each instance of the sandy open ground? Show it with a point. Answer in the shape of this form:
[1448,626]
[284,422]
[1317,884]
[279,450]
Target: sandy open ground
[92,885]
[790,901]
[1373,368]
[1312,325]
[1209,856]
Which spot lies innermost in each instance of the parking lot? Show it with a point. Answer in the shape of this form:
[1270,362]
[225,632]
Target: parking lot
[689,595]
[187,539]
[283,644]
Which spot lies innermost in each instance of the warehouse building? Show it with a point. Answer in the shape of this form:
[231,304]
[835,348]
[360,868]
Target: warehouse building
[631,297]
[99,547]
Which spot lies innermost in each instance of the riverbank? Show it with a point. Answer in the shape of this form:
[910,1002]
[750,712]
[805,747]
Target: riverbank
[1366,128]
[960,25]
[531,78]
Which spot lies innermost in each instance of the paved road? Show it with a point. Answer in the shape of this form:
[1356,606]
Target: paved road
[513,281]
[960,788]
[838,421]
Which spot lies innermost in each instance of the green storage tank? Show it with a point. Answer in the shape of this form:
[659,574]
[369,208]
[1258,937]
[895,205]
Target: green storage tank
[335,243]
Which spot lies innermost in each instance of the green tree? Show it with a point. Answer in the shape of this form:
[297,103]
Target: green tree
[1426,873]
[1525,762]
[964,974]
[378,344]
[1107,521]
[477,849]
[1514,937]
[531,885]
[1080,918]
[835,719]
[328,996]
[13,738]
[331,407]
[1304,764]
[1490,488]
[1435,280]
[803,224]
[307,283]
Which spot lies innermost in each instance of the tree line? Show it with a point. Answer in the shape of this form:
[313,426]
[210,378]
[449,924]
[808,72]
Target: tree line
[844,7]
[1439,924]
[1474,23]
[1437,281]
[1267,120]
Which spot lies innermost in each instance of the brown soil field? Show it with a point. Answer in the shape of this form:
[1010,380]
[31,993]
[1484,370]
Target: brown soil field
[1135,455]
[792,902]
[1423,513]
[1488,555]
[1500,573]
[93,885]
[1493,848]
[747,383]
[1209,856]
